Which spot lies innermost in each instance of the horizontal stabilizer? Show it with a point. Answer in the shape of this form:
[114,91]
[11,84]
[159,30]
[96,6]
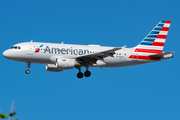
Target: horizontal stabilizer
[161,54]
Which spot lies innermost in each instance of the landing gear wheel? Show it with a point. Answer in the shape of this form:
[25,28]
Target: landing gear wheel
[80,75]
[27,71]
[87,73]
[28,66]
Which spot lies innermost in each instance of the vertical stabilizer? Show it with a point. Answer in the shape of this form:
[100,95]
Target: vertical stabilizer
[154,41]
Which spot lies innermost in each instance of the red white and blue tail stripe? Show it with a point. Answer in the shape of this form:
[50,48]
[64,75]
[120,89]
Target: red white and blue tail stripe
[153,43]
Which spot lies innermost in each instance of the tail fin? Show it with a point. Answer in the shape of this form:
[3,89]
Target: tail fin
[154,41]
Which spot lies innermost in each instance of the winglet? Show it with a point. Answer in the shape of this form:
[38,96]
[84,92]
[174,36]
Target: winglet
[124,46]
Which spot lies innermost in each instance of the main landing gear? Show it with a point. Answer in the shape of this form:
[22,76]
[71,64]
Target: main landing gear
[87,73]
[28,66]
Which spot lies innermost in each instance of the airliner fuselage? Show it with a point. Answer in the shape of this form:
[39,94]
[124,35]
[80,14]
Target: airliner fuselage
[48,53]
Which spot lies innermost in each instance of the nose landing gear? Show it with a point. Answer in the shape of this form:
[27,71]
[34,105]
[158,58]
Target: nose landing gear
[28,66]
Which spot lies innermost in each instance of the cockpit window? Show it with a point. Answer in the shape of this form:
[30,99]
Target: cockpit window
[12,47]
[15,47]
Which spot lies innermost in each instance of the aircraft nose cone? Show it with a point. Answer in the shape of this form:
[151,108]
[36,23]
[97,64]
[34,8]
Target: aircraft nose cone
[6,54]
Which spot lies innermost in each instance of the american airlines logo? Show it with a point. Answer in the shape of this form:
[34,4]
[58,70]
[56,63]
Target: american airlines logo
[64,51]
[38,49]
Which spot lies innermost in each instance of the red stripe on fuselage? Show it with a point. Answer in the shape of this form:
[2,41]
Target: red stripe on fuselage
[147,50]
[158,44]
[144,57]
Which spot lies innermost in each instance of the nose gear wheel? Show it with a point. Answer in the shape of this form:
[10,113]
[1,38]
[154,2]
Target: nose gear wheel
[27,71]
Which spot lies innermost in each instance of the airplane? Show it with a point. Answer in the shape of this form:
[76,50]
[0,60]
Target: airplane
[59,57]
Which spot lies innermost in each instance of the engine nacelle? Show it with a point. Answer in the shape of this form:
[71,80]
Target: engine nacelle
[52,68]
[65,63]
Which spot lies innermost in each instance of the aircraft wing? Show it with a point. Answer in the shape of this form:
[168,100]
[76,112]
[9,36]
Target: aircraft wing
[92,58]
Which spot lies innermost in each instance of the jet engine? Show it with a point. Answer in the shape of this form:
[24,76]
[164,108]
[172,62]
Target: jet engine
[53,68]
[65,63]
